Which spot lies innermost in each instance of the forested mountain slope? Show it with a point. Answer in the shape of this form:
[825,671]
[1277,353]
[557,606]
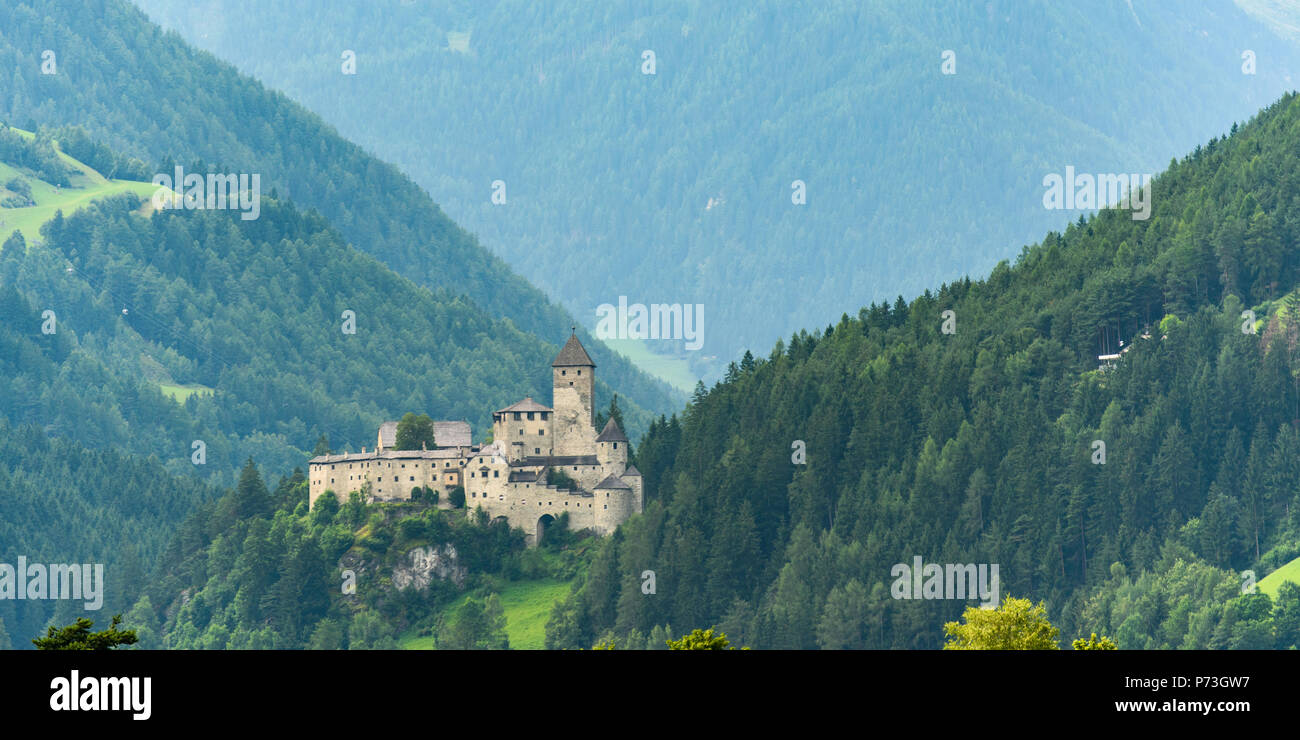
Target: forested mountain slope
[258,570]
[64,503]
[676,186]
[250,314]
[980,446]
[138,352]
[146,94]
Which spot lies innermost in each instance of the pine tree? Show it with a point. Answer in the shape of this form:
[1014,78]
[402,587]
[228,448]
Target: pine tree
[78,636]
[322,446]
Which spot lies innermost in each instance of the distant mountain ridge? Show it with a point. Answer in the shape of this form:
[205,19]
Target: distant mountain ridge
[145,93]
[677,186]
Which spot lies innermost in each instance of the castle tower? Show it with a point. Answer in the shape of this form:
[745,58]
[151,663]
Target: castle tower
[611,449]
[522,429]
[574,391]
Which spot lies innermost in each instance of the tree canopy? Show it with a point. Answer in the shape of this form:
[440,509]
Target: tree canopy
[78,636]
[1016,624]
[415,431]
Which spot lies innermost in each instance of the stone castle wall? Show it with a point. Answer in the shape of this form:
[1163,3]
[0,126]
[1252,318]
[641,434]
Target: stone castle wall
[390,478]
[562,439]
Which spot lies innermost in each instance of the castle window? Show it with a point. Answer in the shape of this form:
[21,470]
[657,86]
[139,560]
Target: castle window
[530,415]
[606,506]
[580,372]
[413,477]
[521,432]
[564,372]
[518,415]
[537,450]
[496,473]
[541,432]
[616,445]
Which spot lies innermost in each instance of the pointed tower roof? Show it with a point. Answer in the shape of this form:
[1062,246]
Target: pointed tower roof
[613,483]
[611,433]
[631,472]
[572,354]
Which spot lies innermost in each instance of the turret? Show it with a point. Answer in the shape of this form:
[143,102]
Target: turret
[611,449]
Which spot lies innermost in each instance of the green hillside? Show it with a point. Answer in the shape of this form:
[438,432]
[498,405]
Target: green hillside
[173,335]
[982,446]
[527,606]
[258,570]
[65,503]
[1289,573]
[86,186]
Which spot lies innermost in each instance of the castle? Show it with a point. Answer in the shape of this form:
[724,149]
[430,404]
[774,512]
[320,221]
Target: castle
[511,477]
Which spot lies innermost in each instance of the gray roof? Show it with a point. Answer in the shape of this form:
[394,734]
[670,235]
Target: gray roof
[611,433]
[556,460]
[572,354]
[452,434]
[445,434]
[528,404]
[612,482]
[631,472]
[388,434]
[438,454]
